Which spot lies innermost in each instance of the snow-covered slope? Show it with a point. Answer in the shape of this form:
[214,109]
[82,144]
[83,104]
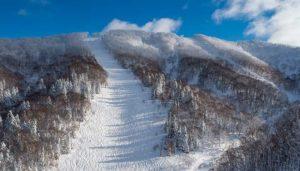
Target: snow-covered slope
[284,58]
[164,45]
[202,94]
[125,131]
[151,45]
[251,87]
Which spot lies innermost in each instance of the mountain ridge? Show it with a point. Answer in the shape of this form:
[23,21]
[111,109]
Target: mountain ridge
[244,94]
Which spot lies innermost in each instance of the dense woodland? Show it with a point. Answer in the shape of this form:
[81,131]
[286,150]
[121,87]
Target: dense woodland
[45,90]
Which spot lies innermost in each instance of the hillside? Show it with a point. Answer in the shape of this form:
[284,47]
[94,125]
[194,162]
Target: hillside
[45,90]
[136,100]
[220,90]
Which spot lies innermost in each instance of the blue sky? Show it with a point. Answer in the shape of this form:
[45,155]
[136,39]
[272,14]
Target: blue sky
[31,18]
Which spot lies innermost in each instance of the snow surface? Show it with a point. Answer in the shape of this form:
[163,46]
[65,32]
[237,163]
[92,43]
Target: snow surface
[168,45]
[225,49]
[125,130]
[284,58]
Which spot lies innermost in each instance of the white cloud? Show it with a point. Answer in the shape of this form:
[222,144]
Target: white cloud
[117,24]
[162,25]
[22,12]
[166,25]
[276,20]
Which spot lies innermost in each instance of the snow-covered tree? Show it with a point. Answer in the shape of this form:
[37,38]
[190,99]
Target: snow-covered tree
[68,113]
[10,96]
[33,127]
[41,87]
[5,156]
[182,139]
[186,94]
[65,146]
[61,86]
[12,123]
[25,105]
[159,85]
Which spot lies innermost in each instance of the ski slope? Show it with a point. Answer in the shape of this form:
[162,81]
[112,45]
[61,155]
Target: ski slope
[125,130]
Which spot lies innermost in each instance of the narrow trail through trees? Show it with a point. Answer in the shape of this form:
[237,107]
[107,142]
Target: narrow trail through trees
[125,129]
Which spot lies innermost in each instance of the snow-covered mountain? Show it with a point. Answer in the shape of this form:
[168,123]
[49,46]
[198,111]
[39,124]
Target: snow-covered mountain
[284,58]
[164,45]
[220,90]
[204,92]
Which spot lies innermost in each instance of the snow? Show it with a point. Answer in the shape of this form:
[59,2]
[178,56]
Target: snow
[167,46]
[189,47]
[131,42]
[125,130]
[152,45]
[284,58]
[221,44]
[240,60]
